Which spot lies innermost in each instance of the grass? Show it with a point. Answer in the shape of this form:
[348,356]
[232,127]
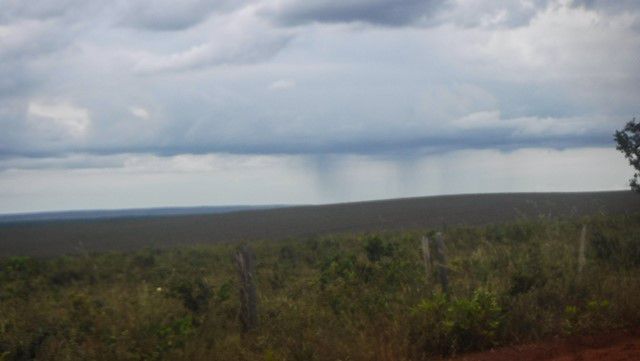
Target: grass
[346,297]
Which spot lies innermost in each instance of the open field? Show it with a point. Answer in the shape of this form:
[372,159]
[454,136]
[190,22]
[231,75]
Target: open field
[55,238]
[362,296]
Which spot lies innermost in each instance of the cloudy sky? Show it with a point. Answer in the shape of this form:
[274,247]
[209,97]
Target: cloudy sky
[145,103]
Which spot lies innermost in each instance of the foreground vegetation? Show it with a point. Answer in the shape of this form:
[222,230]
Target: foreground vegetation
[348,297]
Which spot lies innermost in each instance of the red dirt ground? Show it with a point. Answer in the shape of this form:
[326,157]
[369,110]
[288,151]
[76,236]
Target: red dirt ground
[612,346]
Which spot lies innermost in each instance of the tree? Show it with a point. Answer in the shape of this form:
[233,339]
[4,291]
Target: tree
[628,140]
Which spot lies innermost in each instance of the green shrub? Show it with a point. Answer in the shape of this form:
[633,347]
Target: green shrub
[449,327]
[595,315]
[175,333]
[193,293]
[473,323]
[377,248]
[616,248]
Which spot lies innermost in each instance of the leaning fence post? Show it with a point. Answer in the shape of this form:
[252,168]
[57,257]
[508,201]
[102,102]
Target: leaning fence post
[582,259]
[426,256]
[245,262]
[441,262]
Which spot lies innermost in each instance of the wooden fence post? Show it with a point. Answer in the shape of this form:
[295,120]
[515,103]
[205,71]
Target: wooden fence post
[582,259]
[245,262]
[441,262]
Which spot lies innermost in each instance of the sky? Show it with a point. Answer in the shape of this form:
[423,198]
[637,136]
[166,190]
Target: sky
[154,103]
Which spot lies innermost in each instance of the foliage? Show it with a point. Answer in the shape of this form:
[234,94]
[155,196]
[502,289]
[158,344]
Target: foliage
[376,248]
[194,293]
[628,142]
[449,327]
[350,297]
[595,315]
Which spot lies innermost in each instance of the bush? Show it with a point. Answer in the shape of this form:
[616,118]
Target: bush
[193,293]
[595,315]
[621,250]
[376,248]
[449,327]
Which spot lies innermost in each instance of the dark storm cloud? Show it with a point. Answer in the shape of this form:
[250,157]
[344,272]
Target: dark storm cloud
[379,12]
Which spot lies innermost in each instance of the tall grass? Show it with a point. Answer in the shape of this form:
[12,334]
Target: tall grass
[346,297]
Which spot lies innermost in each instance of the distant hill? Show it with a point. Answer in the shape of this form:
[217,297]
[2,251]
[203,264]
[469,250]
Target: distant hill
[122,234]
[124,213]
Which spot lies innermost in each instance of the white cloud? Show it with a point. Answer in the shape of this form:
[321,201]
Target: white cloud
[58,119]
[479,120]
[283,84]
[140,112]
[558,44]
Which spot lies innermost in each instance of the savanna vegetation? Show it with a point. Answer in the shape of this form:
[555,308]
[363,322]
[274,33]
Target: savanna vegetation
[346,297]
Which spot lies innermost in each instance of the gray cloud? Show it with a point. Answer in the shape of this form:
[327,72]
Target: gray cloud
[101,91]
[241,51]
[379,12]
[210,88]
[40,10]
[169,15]
[483,13]
[217,132]
[610,6]
[491,14]
[159,15]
